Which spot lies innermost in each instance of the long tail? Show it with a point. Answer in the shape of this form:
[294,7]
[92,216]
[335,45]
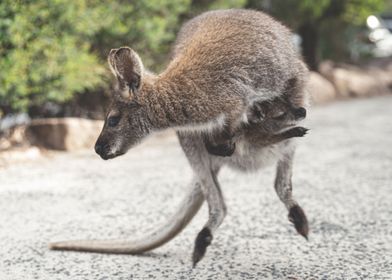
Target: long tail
[189,207]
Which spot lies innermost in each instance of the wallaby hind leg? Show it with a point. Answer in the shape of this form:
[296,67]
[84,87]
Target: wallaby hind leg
[283,187]
[216,214]
[206,173]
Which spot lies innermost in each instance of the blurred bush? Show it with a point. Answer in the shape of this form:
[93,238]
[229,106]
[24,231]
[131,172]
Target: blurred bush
[327,27]
[51,50]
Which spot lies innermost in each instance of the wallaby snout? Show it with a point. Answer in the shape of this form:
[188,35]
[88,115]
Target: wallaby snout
[105,151]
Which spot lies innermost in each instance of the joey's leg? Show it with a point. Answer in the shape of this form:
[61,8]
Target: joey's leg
[297,131]
[283,187]
[216,213]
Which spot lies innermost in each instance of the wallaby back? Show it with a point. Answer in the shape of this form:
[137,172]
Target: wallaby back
[240,45]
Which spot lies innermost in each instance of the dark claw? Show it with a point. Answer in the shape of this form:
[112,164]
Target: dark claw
[224,150]
[297,131]
[203,240]
[298,218]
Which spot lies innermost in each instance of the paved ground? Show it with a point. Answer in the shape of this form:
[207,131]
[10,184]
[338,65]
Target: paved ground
[342,177]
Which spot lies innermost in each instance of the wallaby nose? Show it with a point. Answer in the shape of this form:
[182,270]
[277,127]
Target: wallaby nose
[98,148]
[300,113]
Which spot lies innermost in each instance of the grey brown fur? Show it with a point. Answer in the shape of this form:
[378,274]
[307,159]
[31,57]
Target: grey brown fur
[223,62]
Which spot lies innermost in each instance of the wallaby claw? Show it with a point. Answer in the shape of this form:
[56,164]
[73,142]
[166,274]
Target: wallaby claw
[203,240]
[298,218]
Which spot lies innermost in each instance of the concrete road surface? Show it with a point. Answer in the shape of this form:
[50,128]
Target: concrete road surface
[342,178]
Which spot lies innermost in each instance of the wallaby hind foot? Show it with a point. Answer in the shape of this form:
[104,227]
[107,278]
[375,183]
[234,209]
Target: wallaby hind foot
[203,240]
[298,218]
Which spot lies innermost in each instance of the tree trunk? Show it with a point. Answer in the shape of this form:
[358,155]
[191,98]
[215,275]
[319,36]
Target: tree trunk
[309,34]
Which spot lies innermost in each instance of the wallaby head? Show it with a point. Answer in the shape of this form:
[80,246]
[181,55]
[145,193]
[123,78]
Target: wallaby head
[127,120]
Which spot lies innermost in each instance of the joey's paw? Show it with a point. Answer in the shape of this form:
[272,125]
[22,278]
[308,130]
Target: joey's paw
[297,131]
[223,150]
[203,240]
[298,218]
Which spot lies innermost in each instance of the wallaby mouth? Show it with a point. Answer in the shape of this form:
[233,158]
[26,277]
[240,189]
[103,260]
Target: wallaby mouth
[105,156]
[105,152]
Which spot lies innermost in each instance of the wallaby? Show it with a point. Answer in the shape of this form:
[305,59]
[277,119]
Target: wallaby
[223,62]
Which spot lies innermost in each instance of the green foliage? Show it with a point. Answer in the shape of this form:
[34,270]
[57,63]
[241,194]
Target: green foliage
[329,21]
[296,12]
[52,50]
[356,11]
[226,4]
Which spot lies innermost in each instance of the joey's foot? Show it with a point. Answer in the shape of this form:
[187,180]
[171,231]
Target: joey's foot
[297,131]
[203,240]
[298,218]
[223,150]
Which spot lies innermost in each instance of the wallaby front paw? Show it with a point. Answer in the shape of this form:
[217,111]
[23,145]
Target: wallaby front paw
[223,150]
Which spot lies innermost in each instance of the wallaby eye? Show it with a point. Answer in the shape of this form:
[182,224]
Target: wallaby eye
[113,121]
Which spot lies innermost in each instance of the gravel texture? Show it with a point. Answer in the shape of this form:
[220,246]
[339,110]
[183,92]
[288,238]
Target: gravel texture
[342,178]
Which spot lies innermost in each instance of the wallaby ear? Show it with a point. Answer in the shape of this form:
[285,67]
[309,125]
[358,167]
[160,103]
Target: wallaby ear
[127,67]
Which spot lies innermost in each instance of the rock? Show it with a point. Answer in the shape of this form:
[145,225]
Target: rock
[65,134]
[320,89]
[352,81]
[358,83]
[13,137]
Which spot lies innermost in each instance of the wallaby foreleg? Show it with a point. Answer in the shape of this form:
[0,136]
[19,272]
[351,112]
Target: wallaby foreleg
[189,207]
[216,211]
[221,143]
[283,187]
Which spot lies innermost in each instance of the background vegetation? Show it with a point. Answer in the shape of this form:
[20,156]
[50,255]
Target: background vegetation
[53,50]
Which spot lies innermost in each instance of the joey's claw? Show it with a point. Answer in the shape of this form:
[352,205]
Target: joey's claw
[297,131]
[203,240]
[298,218]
